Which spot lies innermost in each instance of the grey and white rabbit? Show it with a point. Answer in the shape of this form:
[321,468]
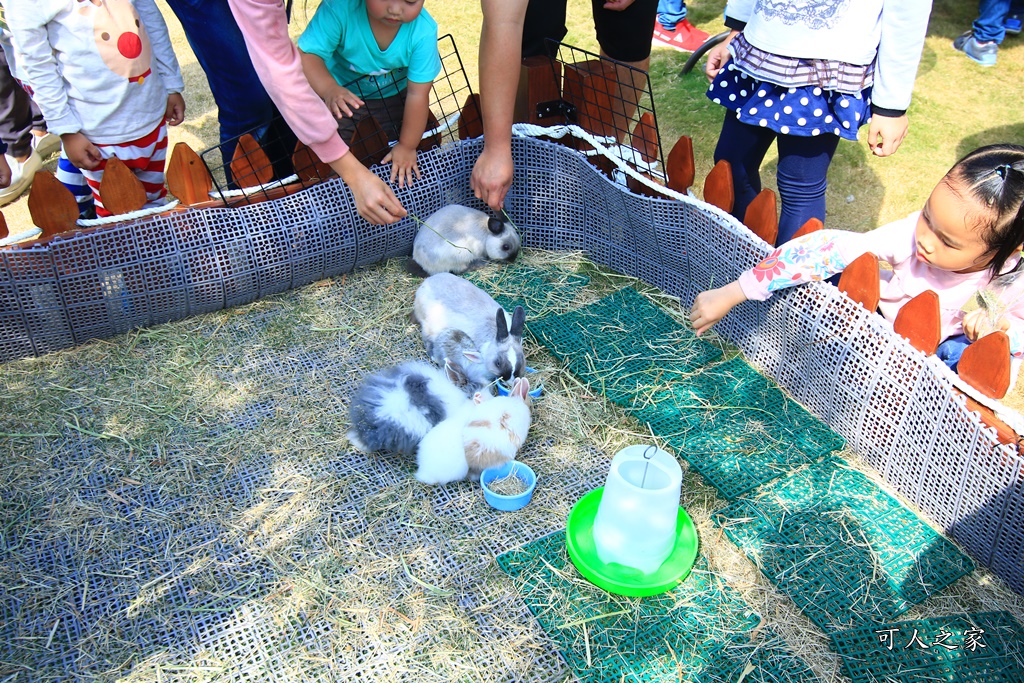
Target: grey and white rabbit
[395,407]
[455,239]
[446,302]
[478,436]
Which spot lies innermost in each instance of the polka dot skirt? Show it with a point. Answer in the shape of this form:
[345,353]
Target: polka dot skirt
[805,111]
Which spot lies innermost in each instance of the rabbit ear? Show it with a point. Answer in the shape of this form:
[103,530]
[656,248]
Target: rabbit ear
[501,325]
[454,373]
[495,226]
[518,320]
[521,388]
[473,356]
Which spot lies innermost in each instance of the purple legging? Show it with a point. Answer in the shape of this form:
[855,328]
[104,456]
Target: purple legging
[802,174]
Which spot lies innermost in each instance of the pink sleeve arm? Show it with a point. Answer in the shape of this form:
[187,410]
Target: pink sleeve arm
[277,62]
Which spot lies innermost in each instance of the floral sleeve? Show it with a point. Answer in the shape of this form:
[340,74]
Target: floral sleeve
[812,257]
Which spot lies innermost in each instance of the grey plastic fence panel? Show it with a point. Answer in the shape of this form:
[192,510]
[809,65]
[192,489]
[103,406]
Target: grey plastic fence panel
[845,364]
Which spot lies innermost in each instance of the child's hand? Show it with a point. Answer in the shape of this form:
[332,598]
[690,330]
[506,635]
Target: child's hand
[175,112]
[404,165]
[711,306]
[977,325]
[718,57]
[341,101]
[80,151]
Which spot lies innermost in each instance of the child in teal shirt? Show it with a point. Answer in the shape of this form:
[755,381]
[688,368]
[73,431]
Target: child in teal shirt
[375,57]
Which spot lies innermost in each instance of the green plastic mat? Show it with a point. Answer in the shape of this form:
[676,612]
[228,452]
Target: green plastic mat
[966,648]
[624,346]
[845,551]
[540,291]
[737,428]
[699,632]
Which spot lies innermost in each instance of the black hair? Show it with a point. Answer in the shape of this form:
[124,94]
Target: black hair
[994,177]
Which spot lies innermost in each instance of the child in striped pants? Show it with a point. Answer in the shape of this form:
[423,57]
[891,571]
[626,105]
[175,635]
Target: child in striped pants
[104,74]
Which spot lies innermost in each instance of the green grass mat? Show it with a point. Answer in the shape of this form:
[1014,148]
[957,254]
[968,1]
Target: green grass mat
[737,428]
[539,290]
[699,632]
[845,551]
[624,346]
[966,648]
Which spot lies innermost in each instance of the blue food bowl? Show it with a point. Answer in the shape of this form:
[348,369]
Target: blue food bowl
[508,503]
[505,388]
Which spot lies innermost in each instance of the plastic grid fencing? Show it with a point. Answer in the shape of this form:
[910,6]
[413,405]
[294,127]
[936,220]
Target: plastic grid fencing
[700,630]
[845,551]
[738,429]
[831,369]
[970,648]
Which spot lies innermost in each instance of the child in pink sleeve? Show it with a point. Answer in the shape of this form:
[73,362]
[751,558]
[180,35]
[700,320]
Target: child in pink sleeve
[966,239]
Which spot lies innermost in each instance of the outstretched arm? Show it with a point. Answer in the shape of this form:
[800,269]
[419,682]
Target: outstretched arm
[277,62]
[501,38]
[414,123]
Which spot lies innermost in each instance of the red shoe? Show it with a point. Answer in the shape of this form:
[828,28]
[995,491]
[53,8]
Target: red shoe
[685,37]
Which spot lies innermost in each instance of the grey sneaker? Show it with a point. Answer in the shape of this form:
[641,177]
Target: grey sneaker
[982,53]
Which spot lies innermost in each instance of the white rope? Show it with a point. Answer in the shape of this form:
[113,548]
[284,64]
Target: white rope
[14,238]
[109,220]
[598,143]
[246,191]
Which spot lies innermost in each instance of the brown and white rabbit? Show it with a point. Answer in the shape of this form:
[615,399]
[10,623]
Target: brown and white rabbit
[483,435]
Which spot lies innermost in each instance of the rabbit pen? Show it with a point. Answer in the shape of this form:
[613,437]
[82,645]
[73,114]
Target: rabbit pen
[179,501]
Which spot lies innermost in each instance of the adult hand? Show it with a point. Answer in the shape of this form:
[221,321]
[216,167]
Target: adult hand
[719,56]
[711,306]
[175,112]
[404,164]
[80,151]
[886,133]
[341,101]
[374,199]
[492,176]
[618,5]
[5,171]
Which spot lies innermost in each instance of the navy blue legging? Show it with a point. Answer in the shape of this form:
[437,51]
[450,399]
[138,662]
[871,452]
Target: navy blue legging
[802,174]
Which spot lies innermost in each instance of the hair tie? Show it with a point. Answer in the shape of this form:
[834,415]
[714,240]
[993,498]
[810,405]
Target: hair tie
[1004,170]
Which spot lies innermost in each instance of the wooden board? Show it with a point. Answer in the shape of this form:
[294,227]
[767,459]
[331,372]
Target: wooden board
[860,281]
[120,190]
[762,216]
[188,179]
[250,165]
[680,166]
[52,206]
[718,189]
[919,323]
[985,365]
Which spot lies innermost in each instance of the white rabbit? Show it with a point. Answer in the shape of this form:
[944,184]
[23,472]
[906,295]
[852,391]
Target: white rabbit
[456,238]
[482,435]
[394,408]
[447,302]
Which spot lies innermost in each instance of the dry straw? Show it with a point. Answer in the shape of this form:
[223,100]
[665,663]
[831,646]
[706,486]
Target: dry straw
[180,503]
